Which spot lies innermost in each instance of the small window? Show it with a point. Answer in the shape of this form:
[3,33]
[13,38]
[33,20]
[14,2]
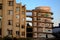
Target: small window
[35,13]
[9,32]
[23,33]
[35,24]
[0,31]
[17,8]
[10,12]
[17,16]
[39,14]
[10,3]
[17,25]
[23,26]
[35,18]
[9,22]
[17,32]
[0,6]
[46,15]
[23,12]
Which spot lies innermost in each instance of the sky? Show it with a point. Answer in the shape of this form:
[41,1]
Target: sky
[54,4]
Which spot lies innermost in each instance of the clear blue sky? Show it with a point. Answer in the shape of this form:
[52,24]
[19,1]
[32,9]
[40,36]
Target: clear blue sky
[54,4]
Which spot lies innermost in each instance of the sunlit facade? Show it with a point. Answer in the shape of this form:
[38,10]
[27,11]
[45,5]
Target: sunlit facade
[12,19]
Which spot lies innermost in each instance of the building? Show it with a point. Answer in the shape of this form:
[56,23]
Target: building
[56,31]
[12,19]
[41,22]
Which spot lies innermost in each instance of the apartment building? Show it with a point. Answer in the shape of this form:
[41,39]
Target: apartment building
[12,19]
[41,22]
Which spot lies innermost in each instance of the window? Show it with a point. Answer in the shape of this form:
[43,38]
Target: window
[29,35]
[29,29]
[35,29]
[39,14]
[40,30]
[0,31]
[35,35]
[46,15]
[17,32]
[10,3]
[39,19]
[46,25]
[23,12]
[17,9]
[35,19]
[39,24]
[23,33]
[0,6]
[10,12]
[17,16]
[35,14]
[35,23]
[22,26]
[9,32]
[17,25]
[9,22]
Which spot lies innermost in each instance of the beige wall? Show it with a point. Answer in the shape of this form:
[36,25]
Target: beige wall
[12,17]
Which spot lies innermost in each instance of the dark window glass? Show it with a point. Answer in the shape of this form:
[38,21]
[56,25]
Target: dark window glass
[9,22]
[10,3]
[0,31]
[29,30]
[23,26]
[23,33]
[0,6]
[29,34]
[9,32]
[10,12]
[17,32]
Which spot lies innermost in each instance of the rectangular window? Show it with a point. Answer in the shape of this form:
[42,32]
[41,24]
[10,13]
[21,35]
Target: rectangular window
[0,31]
[17,8]
[35,18]
[0,6]
[17,25]
[17,16]
[9,22]
[35,29]
[9,32]
[10,12]
[23,33]
[39,14]
[10,3]
[17,32]
[35,13]
[35,24]
[23,12]
[35,35]
[22,26]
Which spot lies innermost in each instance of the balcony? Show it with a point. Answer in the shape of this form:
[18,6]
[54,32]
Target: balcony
[48,30]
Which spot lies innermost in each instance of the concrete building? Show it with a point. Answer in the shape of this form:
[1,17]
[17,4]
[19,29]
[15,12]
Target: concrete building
[41,22]
[13,19]
[56,31]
